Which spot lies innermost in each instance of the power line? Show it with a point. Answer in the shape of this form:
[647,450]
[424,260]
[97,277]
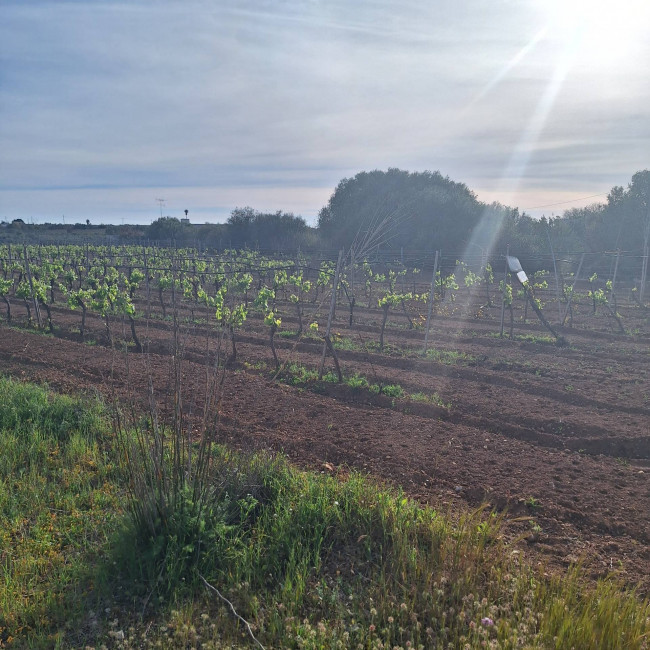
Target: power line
[550,205]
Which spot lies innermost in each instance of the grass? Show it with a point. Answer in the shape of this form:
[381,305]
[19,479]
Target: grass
[59,503]
[539,339]
[309,560]
[297,374]
[307,334]
[449,357]
[431,399]
[446,357]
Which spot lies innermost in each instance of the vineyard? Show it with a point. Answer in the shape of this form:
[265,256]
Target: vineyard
[451,379]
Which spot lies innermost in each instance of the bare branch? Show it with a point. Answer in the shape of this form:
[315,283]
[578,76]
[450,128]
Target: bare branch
[232,609]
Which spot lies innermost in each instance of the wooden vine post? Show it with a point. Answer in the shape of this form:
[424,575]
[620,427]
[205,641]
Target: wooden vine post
[612,294]
[644,274]
[644,262]
[573,286]
[503,296]
[146,279]
[430,307]
[557,280]
[327,344]
[37,311]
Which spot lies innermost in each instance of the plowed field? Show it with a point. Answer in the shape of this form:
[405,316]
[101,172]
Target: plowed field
[557,435]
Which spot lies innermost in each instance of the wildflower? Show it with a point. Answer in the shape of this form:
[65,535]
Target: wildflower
[403,607]
[391,620]
[487,621]
[372,628]
[373,612]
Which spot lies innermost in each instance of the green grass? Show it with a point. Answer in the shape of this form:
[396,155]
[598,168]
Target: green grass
[307,334]
[346,343]
[449,357]
[59,503]
[310,560]
[434,398]
[539,339]
[297,374]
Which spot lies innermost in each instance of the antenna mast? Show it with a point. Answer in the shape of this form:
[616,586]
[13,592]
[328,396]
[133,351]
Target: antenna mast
[161,202]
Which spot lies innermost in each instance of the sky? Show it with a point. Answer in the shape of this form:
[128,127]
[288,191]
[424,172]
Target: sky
[107,106]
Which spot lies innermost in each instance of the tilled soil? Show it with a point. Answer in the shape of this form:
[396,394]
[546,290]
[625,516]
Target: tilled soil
[558,436]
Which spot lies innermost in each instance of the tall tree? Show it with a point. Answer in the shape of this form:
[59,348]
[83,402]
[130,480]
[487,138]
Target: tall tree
[623,221]
[426,210]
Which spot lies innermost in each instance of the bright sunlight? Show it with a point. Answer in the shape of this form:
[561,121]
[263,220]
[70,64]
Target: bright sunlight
[599,32]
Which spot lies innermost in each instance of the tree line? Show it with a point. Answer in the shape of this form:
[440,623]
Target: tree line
[397,209]
[426,210]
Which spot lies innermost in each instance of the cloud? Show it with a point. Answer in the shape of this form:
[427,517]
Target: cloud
[284,99]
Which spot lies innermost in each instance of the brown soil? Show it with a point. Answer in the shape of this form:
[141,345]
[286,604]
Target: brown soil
[557,435]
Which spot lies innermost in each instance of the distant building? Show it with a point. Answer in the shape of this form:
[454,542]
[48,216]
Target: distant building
[185,221]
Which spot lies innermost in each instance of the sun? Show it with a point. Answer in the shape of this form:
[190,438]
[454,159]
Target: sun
[602,33]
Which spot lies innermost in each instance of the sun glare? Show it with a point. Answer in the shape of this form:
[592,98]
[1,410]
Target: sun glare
[599,32]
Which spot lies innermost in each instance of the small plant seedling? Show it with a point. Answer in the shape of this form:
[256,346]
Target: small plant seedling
[535,530]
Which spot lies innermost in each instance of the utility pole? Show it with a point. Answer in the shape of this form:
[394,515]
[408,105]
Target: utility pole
[161,202]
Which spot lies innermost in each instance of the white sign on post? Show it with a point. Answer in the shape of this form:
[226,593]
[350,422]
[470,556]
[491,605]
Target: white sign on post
[515,267]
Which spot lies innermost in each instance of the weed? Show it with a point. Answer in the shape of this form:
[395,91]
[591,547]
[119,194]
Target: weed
[356,382]
[449,357]
[433,398]
[345,343]
[533,503]
[539,339]
[393,390]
